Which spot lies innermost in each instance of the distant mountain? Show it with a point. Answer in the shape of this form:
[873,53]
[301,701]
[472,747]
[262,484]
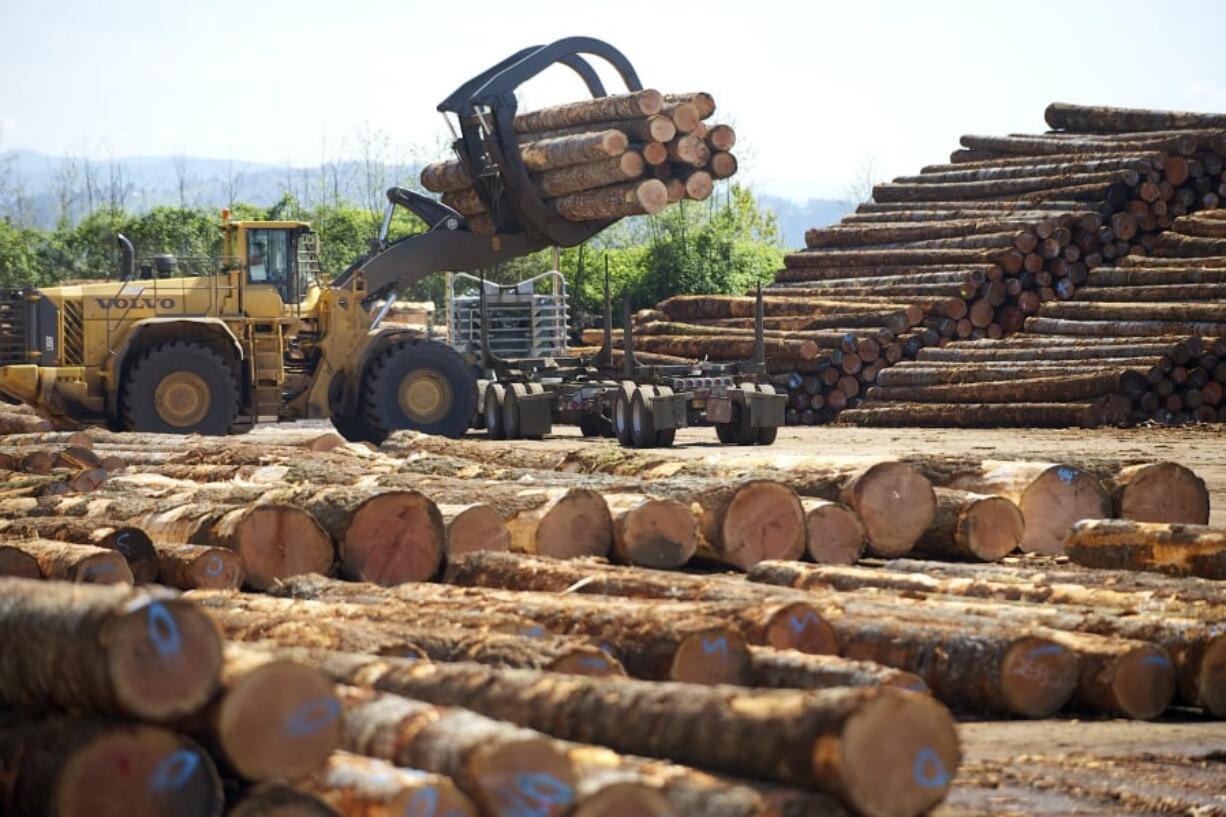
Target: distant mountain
[795,217]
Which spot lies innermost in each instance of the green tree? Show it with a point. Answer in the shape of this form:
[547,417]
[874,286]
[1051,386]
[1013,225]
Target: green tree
[21,264]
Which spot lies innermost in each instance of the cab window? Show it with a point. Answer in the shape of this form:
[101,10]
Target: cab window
[268,257]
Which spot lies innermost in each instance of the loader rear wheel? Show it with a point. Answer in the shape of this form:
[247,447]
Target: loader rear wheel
[180,388]
[420,385]
[353,427]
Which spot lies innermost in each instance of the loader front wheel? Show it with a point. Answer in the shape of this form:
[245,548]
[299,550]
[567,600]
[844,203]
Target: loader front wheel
[423,386]
[180,388]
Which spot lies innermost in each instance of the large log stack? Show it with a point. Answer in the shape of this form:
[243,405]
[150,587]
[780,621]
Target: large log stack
[608,157]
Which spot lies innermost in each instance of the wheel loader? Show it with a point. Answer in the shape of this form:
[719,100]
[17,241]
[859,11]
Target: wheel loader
[213,347]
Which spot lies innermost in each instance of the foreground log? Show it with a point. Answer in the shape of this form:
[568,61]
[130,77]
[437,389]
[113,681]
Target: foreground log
[131,542]
[76,563]
[841,741]
[1178,550]
[562,523]
[192,567]
[975,415]
[142,654]
[874,493]
[649,532]
[503,769]
[1159,492]
[787,669]
[540,155]
[358,786]
[84,768]
[386,537]
[1061,388]
[742,523]
[784,625]
[973,526]
[834,534]
[274,719]
[474,527]
[16,563]
[587,111]
[1131,679]
[378,630]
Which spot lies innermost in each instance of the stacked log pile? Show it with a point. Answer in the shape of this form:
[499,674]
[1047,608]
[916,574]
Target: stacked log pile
[607,158]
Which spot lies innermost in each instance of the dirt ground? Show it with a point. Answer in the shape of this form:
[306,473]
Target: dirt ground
[1049,767]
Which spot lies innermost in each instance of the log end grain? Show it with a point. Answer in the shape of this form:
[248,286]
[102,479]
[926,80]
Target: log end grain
[576,526]
[18,564]
[1143,683]
[897,755]
[199,567]
[505,775]
[798,626]
[1161,492]
[104,567]
[277,541]
[657,533]
[714,655]
[764,520]
[1060,496]
[895,502]
[1037,677]
[367,786]
[473,528]
[591,661]
[136,548]
[280,800]
[991,528]
[140,771]
[394,537]
[625,799]
[164,658]
[1210,692]
[834,534]
[280,720]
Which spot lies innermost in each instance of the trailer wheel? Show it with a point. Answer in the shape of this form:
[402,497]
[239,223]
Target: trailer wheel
[621,414]
[745,433]
[642,420]
[665,437]
[180,388]
[767,434]
[420,385]
[591,425]
[510,410]
[494,395]
[726,432]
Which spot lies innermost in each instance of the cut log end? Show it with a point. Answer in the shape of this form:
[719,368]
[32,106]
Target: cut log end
[716,655]
[1211,681]
[834,534]
[280,720]
[627,799]
[1038,677]
[395,537]
[1162,492]
[18,564]
[1144,682]
[659,533]
[204,568]
[1054,501]
[279,800]
[896,504]
[509,774]
[136,548]
[141,772]
[763,521]
[473,528]
[798,626]
[897,757]
[106,567]
[577,526]
[164,658]
[279,541]
[591,661]
[991,528]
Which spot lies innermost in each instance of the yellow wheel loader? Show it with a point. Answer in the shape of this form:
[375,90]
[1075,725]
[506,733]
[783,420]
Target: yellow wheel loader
[214,346]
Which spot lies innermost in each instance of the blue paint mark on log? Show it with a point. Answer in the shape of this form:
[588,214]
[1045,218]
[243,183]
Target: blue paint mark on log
[164,630]
[928,770]
[174,770]
[718,645]
[312,716]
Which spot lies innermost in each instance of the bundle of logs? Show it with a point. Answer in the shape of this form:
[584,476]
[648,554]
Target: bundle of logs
[606,158]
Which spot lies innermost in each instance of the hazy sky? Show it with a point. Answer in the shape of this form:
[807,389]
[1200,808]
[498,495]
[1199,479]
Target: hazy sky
[815,89]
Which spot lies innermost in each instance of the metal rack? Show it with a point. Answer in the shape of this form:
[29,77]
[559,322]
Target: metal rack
[525,320]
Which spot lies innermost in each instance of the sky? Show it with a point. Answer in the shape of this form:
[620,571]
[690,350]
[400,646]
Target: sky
[820,93]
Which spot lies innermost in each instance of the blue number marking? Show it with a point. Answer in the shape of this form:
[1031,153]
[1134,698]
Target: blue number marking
[213,568]
[163,630]
[544,788]
[423,803]
[1066,474]
[928,770]
[312,716]
[174,771]
[1050,649]
[95,570]
[536,632]
[121,543]
[593,663]
[1156,661]
[718,645]
[799,624]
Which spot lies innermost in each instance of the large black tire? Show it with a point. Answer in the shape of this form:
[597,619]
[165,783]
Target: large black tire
[180,388]
[621,414]
[766,434]
[642,421]
[419,385]
[591,425]
[510,410]
[494,395]
[353,427]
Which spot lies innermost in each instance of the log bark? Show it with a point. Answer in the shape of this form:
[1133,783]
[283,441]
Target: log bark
[716,346]
[1123,328]
[192,567]
[623,106]
[474,527]
[976,415]
[277,800]
[1102,119]
[973,526]
[901,231]
[996,188]
[1042,146]
[545,154]
[370,629]
[130,542]
[768,735]
[630,199]
[834,534]
[615,170]
[826,259]
[654,128]
[1172,291]
[105,650]
[1158,311]
[1177,550]
[649,532]
[923,373]
[359,786]
[1130,679]
[386,537]
[273,719]
[784,625]
[786,669]
[85,564]
[77,767]
[1067,388]
[1090,351]
[502,768]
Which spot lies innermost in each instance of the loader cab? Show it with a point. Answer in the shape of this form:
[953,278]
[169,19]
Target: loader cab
[277,262]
